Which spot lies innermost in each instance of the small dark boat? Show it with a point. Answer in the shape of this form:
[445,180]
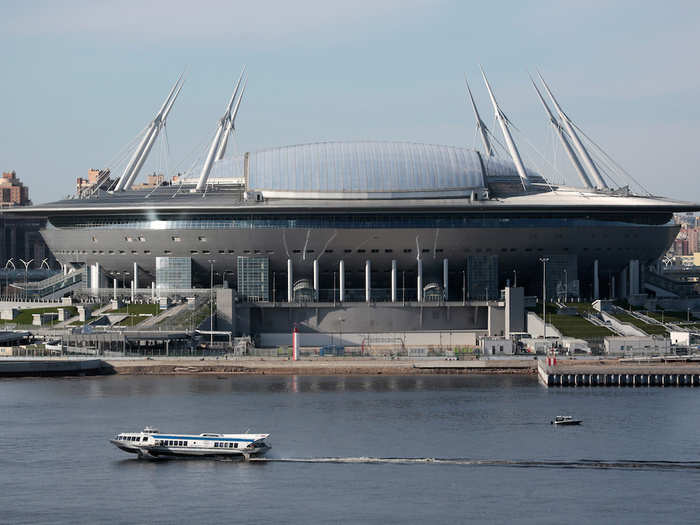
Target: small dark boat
[565,420]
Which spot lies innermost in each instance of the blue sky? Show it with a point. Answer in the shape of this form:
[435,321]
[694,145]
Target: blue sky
[81,78]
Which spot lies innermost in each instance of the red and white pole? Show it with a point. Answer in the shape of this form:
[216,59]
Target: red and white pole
[295,345]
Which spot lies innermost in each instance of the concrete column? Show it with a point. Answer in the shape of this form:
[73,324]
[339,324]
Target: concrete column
[368,281]
[315,279]
[65,269]
[393,281]
[290,282]
[115,288]
[153,290]
[623,284]
[634,276]
[612,287]
[133,289]
[419,281]
[596,281]
[445,267]
[136,275]
[341,279]
[95,277]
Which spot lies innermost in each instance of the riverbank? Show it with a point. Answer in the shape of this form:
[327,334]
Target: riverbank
[330,366]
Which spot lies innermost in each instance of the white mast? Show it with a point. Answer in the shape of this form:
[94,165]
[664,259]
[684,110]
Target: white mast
[570,152]
[144,141]
[512,148]
[213,149]
[232,117]
[483,130]
[587,160]
[151,140]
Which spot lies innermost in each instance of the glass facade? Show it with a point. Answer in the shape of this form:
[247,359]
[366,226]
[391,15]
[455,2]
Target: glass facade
[482,277]
[173,273]
[253,278]
[369,221]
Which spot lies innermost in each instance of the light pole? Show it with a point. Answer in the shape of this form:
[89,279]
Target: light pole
[7,282]
[333,288]
[515,279]
[26,268]
[566,287]
[544,261]
[464,288]
[211,303]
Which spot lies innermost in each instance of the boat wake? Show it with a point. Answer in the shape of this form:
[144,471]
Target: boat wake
[582,463]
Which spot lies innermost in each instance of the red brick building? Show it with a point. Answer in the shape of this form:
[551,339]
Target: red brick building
[12,191]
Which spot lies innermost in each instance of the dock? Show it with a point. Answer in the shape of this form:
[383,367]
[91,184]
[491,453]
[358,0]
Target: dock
[621,373]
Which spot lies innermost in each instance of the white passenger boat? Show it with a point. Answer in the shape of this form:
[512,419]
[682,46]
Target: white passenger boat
[151,443]
[565,420]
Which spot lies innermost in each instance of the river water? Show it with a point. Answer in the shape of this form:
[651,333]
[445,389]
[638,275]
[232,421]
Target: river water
[345,449]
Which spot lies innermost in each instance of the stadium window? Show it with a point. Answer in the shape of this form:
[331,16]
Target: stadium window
[222,251]
[202,239]
[129,239]
[361,250]
[388,250]
[147,252]
[407,250]
[374,250]
[206,252]
[167,252]
[347,251]
[94,239]
[232,251]
[193,252]
[142,238]
[176,239]
[297,251]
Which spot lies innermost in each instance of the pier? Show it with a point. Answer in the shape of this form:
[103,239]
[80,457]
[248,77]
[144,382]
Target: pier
[618,374]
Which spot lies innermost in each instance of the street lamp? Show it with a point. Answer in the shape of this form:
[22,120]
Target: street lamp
[515,278]
[211,303]
[9,262]
[544,261]
[26,268]
[566,287]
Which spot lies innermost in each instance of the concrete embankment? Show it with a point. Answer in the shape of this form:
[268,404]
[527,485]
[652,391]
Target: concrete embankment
[53,367]
[318,367]
[619,373]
